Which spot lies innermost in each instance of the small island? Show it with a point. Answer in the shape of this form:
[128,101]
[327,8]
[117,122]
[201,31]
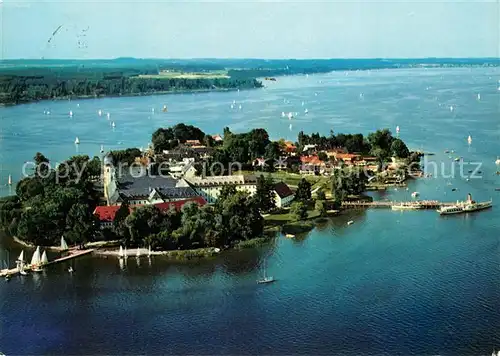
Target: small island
[195,194]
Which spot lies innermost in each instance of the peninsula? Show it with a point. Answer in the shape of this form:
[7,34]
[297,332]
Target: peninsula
[190,190]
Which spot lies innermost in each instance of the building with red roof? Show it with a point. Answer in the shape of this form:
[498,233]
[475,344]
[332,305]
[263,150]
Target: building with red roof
[106,214]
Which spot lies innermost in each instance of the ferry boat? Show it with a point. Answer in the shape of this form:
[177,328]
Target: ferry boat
[468,206]
[407,206]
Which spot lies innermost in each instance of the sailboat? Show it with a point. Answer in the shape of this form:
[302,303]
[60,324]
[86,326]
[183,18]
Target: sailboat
[70,113]
[306,111]
[120,253]
[164,108]
[44,259]
[283,114]
[149,251]
[21,257]
[113,124]
[108,115]
[397,129]
[10,180]
[20,263]
[77,141]
[64,245]
[138,252]
[266,279]
[469,140]
[478,96]
[36,260]
[497,162]
[99,112]
[102,149]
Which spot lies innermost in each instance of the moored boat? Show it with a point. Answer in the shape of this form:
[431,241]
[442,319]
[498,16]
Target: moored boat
[468,206]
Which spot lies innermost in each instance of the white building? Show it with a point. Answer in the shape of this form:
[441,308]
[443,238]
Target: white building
[209,187]
[184,168]
[283,195]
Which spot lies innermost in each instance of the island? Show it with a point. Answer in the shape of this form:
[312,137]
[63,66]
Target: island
[195,194]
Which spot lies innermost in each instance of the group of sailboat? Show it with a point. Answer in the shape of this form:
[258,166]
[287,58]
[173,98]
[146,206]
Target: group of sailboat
[38,260]
[122,252]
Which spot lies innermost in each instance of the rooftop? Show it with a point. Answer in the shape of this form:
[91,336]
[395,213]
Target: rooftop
[282,190]
[222,180]
[142,186]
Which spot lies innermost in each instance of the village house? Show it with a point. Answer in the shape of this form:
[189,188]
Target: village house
[290,148]
[184,168]
[283,195]
[138,186]
[192,143]
[106,214]
[311,165]
[217,138]
[210,187]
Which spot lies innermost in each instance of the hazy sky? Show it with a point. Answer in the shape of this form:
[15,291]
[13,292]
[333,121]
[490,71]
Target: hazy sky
[257,29]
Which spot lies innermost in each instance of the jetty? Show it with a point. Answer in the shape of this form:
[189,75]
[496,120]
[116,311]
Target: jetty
[72,254]
[421,204]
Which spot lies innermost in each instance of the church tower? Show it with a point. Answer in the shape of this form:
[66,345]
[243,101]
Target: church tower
[109,178]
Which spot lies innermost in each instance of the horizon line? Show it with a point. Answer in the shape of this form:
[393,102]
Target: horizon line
[250,58]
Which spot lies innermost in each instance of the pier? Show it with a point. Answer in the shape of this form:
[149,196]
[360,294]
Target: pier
[72,254]
[423,204]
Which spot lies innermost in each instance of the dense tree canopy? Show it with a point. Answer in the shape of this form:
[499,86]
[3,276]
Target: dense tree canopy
[303,192]
[170,137]
[59,202]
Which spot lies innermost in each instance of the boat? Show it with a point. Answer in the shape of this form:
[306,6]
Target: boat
[283,114]
[239,107]
[306,111]
[70,269]
[468,206]
[451,108]
[36,261]
[108,115]
[70,113]
[497,162]
[77,141]
[113,124]
[350,222]
[266,279]
[99,112]
[102,149]
[21,257]
[397,129]
[44,259]
[10,180]
[469,140]
[64,245]
[7,277]
[415,194]
[121,253]
[290,236]
[149,251]
[407,206]
[164,108]
[478,96]
[290,116]
[457,159]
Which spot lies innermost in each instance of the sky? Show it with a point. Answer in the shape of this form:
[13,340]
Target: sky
[249,29]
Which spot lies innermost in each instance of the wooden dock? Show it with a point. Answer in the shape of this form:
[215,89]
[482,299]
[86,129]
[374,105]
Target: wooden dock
[72,254]
[424,204]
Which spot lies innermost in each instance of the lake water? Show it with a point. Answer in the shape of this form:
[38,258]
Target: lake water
[410,283]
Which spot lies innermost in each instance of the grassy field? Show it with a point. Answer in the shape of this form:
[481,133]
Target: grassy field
[171,74]
[292,179]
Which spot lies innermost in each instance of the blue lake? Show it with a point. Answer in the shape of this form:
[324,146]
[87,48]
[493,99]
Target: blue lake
[410,283]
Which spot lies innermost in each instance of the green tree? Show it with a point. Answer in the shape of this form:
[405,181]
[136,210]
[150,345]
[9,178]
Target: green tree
[81,224]
[264,196]
[298,211]
[320,195]
[399,149]
[303,192]
[320,207]
[323,156]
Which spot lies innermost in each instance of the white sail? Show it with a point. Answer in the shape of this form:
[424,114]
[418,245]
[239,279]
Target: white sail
[99,112]
[138,253]
[113,124]
[10,180]
[149,250]
[108,115]
[44,260]
[35,260]
[469,139]
[283,114]
[120,253]
[21,256]
[102,148]
[77,141]
[64,245]
[70,113]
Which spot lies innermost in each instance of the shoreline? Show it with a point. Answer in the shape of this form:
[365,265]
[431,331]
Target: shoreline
[88,97]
